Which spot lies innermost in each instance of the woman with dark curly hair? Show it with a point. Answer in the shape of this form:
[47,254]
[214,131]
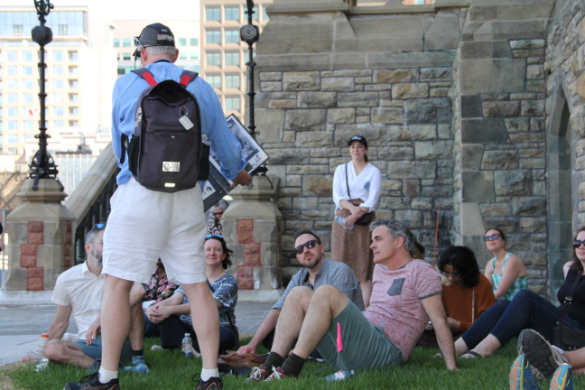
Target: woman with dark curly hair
[173,316]
[467,294]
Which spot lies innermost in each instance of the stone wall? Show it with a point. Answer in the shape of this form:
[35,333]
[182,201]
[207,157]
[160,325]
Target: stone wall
[565,128]
[460,110]
[500,137]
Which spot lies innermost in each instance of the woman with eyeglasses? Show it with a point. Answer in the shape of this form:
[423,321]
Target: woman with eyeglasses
[467,294]
[356,192]
[506,319]
[505,271]
[173,316]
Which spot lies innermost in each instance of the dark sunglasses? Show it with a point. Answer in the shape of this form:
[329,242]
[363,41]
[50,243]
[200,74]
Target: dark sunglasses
[309,244]
[492,237]
[577,243]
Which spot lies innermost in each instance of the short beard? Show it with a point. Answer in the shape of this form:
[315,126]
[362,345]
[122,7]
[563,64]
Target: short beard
[96,256]
[316,261]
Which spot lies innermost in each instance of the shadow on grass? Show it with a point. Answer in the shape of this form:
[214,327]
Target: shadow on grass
[172,371]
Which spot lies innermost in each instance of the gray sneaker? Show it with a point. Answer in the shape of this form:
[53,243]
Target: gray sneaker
[541,355]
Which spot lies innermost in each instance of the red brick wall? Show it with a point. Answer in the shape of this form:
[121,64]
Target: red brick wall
[251,254]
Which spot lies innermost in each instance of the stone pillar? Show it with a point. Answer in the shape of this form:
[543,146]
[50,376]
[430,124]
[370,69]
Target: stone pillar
[252,227]
[40,233]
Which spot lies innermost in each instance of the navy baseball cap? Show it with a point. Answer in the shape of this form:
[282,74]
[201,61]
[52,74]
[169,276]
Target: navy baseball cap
[151,35]
[359,139]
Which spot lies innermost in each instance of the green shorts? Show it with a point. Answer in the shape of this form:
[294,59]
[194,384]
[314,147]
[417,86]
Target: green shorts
[95,349]
[364,345]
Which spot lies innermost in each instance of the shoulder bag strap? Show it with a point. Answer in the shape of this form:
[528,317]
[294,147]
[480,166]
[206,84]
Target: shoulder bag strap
[347,181]
[187,77]
[568,299]
[145,74]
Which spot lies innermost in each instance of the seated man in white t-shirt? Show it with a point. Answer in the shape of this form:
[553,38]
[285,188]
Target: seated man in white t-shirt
[79,290]
[406,294]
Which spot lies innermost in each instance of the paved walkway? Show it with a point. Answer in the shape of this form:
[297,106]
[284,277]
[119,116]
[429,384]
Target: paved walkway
[21,325]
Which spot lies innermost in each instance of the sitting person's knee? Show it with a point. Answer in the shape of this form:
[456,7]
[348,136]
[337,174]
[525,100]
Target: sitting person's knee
[300,291]
[54,350]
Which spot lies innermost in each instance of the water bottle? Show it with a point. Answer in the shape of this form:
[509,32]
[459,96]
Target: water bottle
[41,359]
[187,345]
[341,221]
[339,376]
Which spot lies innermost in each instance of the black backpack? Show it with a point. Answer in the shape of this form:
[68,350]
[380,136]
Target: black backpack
[166,151]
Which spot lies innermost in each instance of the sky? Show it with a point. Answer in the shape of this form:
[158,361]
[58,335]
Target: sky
[132,9]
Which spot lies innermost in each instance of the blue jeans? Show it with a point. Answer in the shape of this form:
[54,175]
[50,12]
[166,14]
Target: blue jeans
[506,319]
[150,329]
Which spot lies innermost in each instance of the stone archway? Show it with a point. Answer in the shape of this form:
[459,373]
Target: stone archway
[560,190]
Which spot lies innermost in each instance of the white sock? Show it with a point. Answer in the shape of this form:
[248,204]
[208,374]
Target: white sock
[106,376]
[206,374]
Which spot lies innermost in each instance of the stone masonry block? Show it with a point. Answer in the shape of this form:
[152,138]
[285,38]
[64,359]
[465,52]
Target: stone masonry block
[501,109]
[410,91]
[477,187]
[471,106]
[426,150]
[36,238]
[301,81]
[483,131]
[396,76]
[265,231]
[529,206]
[246,224]
[270,254]
[471,156]
[35,226]
[305,120]
[306,139]
[492,75]
[500,159]
[513,183]
[316,99]
[319,185]
[245,237]
[388,115]
[358,99]
[341,115]
[27,261]
[28,249]
[336,84]
[412,133]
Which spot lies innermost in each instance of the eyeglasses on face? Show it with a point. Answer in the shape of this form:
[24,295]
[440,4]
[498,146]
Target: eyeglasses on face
[578,243]
[492,237]
[309,244]
[218,213]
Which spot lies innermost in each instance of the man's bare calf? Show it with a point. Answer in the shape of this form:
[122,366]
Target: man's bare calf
[64,352]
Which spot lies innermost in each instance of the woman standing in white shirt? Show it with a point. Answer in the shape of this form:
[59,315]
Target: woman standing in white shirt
[356,192]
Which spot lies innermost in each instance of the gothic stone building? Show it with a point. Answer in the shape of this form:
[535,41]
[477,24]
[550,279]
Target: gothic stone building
[474,106]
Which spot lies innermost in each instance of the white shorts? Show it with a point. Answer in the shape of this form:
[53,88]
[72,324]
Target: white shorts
[145,225]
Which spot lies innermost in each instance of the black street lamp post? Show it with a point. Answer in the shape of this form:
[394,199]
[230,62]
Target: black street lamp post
[250,34]
[42,165]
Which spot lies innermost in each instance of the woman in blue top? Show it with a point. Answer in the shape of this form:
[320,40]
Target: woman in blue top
[505,271]
[173,316]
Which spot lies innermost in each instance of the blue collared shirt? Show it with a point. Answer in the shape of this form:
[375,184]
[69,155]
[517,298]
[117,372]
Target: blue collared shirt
[128,88]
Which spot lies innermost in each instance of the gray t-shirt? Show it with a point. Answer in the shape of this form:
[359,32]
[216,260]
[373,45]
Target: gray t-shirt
[338,275]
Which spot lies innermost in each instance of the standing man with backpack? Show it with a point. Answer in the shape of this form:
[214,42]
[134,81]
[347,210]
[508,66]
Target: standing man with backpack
[157,209]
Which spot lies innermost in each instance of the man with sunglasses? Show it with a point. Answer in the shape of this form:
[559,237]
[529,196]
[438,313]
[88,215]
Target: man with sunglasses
[144,225]
[317,271]
[79,290]
[407,292]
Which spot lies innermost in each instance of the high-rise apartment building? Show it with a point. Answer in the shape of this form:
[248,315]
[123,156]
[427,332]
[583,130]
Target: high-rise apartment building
[81,71]
[223,55]
[186,34]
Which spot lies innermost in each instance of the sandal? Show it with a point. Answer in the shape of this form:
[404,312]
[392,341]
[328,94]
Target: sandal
[470,355]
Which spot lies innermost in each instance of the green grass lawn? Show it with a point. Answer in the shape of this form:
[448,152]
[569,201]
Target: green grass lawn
[172,371]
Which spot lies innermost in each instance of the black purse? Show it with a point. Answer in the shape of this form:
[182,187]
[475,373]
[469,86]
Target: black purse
[566,338]
[365,219]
